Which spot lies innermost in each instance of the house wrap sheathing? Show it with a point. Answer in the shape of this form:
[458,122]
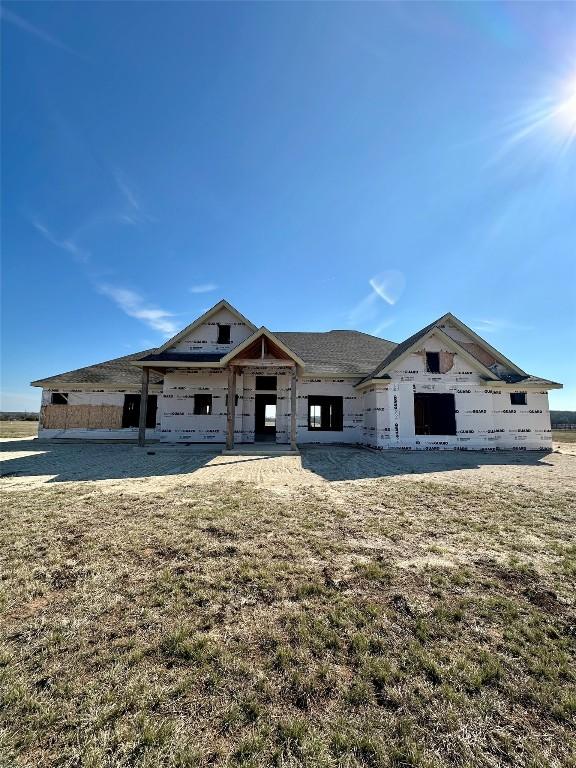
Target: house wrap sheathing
[222,380]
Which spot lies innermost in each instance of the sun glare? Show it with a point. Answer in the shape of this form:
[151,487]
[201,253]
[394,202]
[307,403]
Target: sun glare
[549,121]
[566,111]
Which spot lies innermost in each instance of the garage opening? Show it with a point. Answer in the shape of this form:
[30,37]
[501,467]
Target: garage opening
[434,414]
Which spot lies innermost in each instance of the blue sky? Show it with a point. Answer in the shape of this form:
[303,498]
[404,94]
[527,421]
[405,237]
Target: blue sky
[320,165]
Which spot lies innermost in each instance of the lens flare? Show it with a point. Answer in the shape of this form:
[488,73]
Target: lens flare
[548,123]
[566,112]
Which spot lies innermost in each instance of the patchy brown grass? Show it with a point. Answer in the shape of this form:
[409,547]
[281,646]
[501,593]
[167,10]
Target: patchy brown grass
[413,623]
[564,435]
[18,428]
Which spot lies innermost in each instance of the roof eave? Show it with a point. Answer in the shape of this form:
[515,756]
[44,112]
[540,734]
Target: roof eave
[175,364]
[384,381]
[520,385]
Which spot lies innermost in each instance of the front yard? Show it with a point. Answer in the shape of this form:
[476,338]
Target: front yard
[352,609]
[18,428]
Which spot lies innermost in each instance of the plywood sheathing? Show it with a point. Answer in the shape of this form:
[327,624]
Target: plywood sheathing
[81,417]
[478,352]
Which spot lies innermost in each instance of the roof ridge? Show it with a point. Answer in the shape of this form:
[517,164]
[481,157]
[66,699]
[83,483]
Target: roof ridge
[342,330]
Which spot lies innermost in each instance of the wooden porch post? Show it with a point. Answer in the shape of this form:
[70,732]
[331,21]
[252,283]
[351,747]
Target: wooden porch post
[231,413]
[143,407]
[293,410]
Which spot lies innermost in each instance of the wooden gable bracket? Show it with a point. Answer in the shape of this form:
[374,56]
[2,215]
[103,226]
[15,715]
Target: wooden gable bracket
[263,349]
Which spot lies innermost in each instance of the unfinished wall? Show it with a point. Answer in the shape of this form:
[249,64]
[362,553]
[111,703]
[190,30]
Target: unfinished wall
[180,423]
[381,416]
[246,407]
[283,407]
[90,414]
[377,417]
[485,419]
[353,414]
[204,338]
[522,427]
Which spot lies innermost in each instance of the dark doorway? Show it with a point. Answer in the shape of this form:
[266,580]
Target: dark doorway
[434,414]
[265,418]
[131,413]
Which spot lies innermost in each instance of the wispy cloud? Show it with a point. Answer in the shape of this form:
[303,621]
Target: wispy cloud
[203,288]
[365,311]
[382,326]
[133,213]
[134,305]
[126,190]
[13,18]
[497,325]
[69,245]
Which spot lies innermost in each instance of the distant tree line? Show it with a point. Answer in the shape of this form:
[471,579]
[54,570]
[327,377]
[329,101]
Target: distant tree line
[18,416]
[562,417]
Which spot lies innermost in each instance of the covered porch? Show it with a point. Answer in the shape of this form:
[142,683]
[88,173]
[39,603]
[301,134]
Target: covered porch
[267,407]
[253,401]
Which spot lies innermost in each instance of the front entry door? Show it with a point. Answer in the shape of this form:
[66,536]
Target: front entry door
[265,418]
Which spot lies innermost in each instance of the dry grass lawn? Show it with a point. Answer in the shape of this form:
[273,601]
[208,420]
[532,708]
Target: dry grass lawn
[389,621]
[18,428]
[564,435]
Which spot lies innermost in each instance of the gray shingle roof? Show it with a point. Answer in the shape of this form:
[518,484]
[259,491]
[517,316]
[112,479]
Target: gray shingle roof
[337,352]
[534,380]
[117,372]
[331,353]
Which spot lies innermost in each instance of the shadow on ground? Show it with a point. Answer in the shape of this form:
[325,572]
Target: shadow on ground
[343,463]
[81,462]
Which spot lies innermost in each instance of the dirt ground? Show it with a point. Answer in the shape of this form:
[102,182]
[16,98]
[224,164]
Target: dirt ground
[25,464]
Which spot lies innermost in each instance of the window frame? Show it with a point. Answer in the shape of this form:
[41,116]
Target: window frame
[63,395]
[328,422]
[228,332]
[208,402]
[523,398]
[436,356]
